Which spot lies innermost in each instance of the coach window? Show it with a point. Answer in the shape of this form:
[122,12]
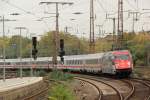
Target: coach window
[68,62]
[111,57]
[81,61]
[87,61]
[77,62]
[74,62]
[92,61]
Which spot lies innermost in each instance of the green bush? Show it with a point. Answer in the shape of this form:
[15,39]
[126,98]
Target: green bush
[140,62]
[59,75]
[40,73]
[61,92]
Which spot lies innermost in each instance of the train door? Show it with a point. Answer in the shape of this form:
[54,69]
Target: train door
[105,64]
[111,64]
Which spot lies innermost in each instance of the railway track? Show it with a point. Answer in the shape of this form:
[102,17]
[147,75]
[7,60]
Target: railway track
[117,96]
[131,92]
[39,94]
[89,82]
[138,89]
[142,85]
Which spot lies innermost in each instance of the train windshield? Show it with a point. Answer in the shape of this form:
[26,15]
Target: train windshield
[122,57]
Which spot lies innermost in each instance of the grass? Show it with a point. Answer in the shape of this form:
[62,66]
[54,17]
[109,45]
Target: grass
[27,73]
[141,72]
[60,92]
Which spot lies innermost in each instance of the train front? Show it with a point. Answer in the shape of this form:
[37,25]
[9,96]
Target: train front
[123,63]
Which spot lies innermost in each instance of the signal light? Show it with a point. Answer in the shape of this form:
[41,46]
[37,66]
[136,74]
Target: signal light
[34,53]
[62,52]
[34,48]
[34,42]
[61,44]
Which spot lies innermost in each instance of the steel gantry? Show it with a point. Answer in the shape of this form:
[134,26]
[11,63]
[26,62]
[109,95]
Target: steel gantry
[92,35]
[119,44]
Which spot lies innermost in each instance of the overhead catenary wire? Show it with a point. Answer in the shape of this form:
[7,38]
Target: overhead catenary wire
[132,6]
[13,5]
[27,12]
[102,6]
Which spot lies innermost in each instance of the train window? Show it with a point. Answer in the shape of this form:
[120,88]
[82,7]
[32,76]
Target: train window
[92,61]
[111,57]
[81,62]
[76,62]
[122,57]
[69,62]
[73,62]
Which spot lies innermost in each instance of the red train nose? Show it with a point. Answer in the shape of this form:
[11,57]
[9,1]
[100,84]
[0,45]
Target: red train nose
[122,64]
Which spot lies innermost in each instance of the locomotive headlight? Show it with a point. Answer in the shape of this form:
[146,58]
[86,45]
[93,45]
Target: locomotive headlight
[117,65]
[129,63]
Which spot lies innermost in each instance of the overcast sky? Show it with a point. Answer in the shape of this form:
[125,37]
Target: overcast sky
[30,11]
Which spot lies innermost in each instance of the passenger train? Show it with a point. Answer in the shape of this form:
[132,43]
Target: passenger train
[113,62]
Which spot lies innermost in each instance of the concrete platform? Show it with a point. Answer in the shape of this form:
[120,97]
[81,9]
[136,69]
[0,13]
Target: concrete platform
[18,83]
[17,88]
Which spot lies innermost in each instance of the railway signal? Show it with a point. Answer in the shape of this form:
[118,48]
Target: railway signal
[34,47]
[62,52]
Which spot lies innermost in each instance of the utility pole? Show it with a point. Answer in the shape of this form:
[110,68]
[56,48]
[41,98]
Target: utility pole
[92,37]
[56,33]
[4,53]
[120,25]
[114,33]
[135,18]
[20,49]
[99,29]
[66,29]
[31,68]
[114,28]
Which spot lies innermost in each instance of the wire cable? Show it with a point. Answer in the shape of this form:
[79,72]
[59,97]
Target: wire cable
[131,5]
[102,6]
[28,12]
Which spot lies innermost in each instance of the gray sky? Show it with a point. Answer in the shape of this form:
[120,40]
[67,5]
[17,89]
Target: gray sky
[30,11]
